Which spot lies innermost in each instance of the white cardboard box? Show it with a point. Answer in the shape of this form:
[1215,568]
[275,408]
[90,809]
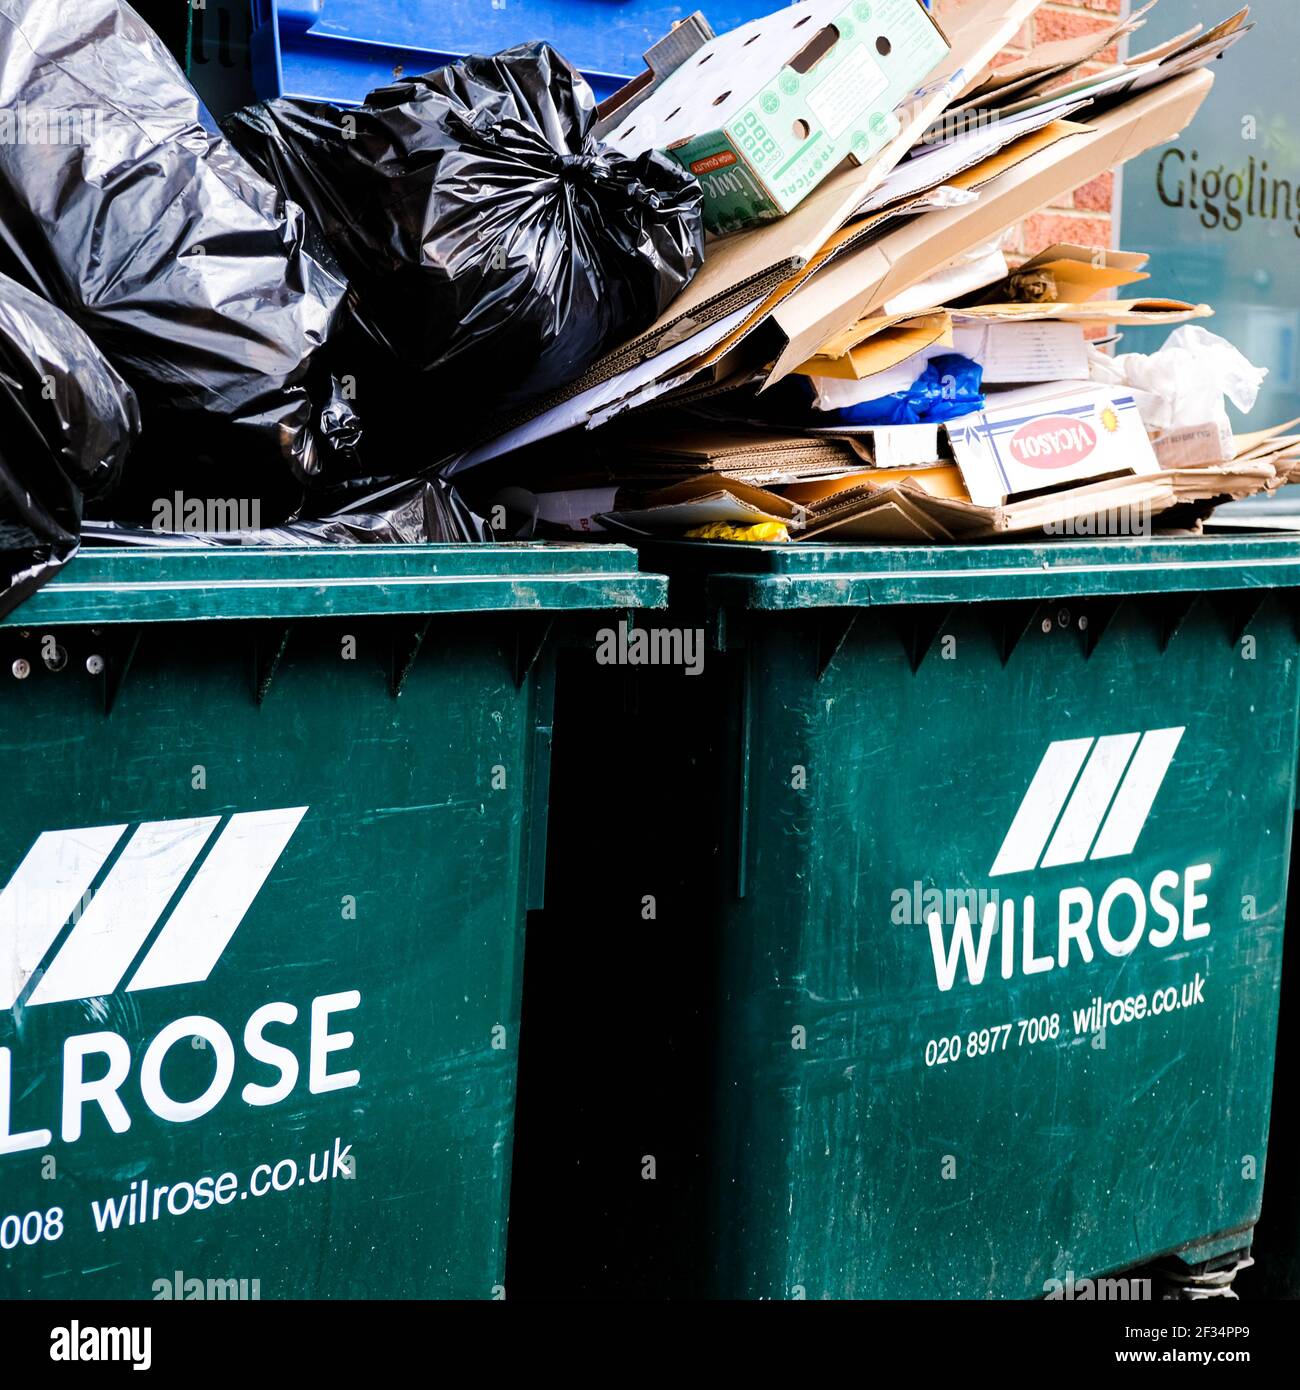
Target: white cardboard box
[1044,437]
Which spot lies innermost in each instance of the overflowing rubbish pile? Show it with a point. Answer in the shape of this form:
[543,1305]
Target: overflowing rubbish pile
[758,293]
[462,243]
[871,366]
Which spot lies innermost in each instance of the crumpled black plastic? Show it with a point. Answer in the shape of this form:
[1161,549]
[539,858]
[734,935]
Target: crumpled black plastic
[490,242]
[185,267]
[67,421]
[415,513]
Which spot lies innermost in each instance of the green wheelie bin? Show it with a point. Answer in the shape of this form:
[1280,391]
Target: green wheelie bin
[938,953]
[272,822]
[1276,1270]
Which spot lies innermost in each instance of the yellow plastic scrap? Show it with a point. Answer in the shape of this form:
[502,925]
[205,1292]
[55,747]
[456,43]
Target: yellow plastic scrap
[763,531]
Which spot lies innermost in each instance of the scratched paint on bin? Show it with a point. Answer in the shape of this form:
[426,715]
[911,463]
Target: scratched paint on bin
[365,1112]
[955,1120]
[1087,725]
[261,917]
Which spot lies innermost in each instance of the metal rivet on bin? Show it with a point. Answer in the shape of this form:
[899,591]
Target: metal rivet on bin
[95,665]
[1047,624]
[1083,622]
[54,656]
[22,668]
[1063,617]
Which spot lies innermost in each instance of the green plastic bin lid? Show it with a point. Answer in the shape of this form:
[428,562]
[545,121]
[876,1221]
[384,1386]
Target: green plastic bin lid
[811,575]
[166,584]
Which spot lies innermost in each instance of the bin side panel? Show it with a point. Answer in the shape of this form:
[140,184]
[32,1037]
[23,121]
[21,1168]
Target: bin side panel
[904,1115]
[311,1091]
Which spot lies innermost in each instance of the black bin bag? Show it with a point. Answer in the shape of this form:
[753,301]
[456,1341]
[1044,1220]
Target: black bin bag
[418,512]
[490,242]
[67,421]
[122,204]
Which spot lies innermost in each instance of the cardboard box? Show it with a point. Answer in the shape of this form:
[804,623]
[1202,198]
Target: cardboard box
[1011,353]
[909,511]
[931,504]
[702,502]
[862,279]
[1123,313]
[879,344]
[876,227]
[1076,273]
[796,282]
[762,114]
[1033,440]
[1192,445]
[1048,61]
[677,47]
[1043,437]
[1014,345]
[746,267]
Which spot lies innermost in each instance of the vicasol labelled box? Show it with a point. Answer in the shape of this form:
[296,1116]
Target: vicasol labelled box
[1046,436]
[763,113]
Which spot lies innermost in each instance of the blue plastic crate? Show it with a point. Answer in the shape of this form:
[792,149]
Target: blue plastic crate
[338,50]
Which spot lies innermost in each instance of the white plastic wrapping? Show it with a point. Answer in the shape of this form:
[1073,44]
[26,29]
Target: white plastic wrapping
[1187,382]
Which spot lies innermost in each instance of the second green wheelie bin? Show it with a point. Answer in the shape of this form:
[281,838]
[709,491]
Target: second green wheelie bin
[937,953]
[1276,1271]
[272,820]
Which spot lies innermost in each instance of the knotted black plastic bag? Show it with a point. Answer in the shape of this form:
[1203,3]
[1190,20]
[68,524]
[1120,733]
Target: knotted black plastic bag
[67,420]
[122,204]
[489,241]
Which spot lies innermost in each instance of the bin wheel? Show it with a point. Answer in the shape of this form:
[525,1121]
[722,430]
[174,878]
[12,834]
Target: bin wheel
[1180,1283]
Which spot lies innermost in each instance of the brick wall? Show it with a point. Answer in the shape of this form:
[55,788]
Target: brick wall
[1083,216]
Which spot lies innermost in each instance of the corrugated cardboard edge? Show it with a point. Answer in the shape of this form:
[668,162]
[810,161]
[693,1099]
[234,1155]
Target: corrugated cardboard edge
[740,269]
[864,280]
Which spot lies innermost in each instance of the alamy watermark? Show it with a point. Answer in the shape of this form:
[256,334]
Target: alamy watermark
[1113,521]
[915,905]
[626,645]
[953,125]
[201,515]
[36,125]
[1072,1290]
[178,1288]
[75,1342]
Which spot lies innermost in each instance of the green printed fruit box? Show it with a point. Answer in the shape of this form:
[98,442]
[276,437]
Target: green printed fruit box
[762,114]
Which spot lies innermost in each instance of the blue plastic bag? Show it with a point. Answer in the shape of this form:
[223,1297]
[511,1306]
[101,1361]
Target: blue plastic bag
[950,387]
